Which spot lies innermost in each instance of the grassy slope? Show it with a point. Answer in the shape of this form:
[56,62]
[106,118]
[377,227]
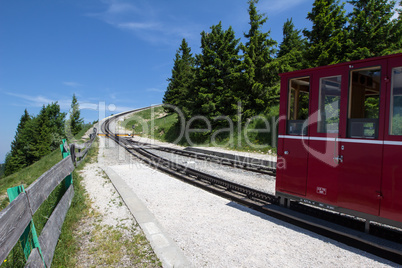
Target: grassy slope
[68,244]
[164,127]
[27,176]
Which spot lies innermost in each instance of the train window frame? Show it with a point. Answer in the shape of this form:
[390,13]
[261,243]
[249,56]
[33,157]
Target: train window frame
[357,127]
[391,114]
[322,126]
[297,126]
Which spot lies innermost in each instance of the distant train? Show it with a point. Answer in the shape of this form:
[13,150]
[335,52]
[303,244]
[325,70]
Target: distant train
[341,140]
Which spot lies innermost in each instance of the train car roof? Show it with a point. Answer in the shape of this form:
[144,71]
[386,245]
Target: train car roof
[293,73]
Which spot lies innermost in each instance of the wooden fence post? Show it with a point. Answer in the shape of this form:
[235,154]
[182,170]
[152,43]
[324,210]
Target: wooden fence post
[29,239]
[65,153]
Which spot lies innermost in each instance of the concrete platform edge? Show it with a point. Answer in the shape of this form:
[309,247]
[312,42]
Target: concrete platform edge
[165,248]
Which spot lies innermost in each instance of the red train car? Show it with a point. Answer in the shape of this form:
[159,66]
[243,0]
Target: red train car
[340,138]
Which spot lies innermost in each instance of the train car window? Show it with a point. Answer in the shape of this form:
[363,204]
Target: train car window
[396,102]
[364,103]
[329,104]
[299,90]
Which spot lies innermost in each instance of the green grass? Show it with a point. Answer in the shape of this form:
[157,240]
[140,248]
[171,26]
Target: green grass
[77,210]
[166,127]
[28,175]
[68,245]
[111,245]
[79,135]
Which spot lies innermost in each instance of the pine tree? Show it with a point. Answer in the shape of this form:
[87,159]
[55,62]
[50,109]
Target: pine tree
[57,120]
[371,29]
[16,158]
[177,93]
[291,52]
[43,137]
[326,40]
[256,86]
[216,72]
[75,121]
[35,137]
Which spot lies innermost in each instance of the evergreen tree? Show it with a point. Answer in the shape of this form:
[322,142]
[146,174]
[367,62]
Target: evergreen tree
[255,88]
[35,137]
[8,169]
[371,29]
[2,170]
[57,120]
[75,122]
[48,131]
[326,40]
[16,158]
[216,72]
[291,52]
[177,93]
[43,137]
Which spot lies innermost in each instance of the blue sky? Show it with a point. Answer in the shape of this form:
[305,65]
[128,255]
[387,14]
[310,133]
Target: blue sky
[112,51]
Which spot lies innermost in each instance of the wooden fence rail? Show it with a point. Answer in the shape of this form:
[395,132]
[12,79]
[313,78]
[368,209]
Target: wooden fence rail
[79,151]
[16,219]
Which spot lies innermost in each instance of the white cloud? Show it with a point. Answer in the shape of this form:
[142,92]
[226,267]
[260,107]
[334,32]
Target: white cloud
[116,7]
[39,101]
[146,22]
[120,109]
[72,84]
[273,6]
[154,90]
[396,14]
[137,25]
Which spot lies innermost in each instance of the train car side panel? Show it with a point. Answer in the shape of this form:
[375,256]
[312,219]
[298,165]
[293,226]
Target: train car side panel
[322,182]
[391,203]
[324,130]
[294,178]
[360,180]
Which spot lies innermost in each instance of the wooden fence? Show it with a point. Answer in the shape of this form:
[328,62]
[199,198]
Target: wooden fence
[79,151]
[16,219]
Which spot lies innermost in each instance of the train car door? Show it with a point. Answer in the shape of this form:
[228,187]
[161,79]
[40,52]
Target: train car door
[295,154]
[391,204]
[361,151]
[322,183]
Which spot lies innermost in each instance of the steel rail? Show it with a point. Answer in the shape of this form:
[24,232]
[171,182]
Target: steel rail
[212,158]
[259,201]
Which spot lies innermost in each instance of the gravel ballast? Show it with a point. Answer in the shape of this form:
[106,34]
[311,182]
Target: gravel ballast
[215,232]
[255,180]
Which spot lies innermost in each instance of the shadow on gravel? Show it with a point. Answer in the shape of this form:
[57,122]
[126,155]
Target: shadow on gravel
[307,232]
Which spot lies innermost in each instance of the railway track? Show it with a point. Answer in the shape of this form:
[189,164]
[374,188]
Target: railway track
[262,201]
[238,162]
